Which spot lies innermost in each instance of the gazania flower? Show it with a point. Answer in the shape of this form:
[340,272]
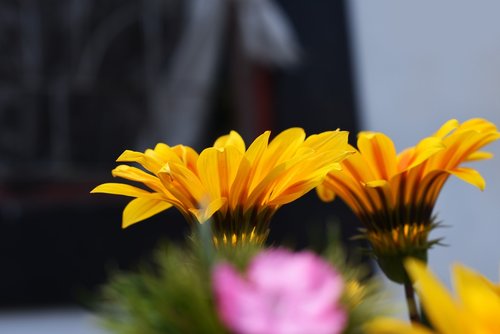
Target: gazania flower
[394,194]
[237,188]
[281,293]
[474,309]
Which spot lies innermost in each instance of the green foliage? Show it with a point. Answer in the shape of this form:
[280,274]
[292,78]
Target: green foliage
[173,293]
[172,297]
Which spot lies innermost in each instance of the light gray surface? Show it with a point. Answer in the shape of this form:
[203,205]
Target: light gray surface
[61,320]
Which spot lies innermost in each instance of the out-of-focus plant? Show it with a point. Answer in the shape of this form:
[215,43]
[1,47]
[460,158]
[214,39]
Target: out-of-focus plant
[240,289]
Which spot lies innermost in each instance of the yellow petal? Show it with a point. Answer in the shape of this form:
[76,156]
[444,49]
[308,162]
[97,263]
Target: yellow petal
[217,168]
[124,189]
[208,170]
[183,184]
[138,175]
[142,208]
[426,148]
[328,140]
[148,160]
[446,128]
[470,175]
[302,174]
[437,302]
[205,213]
[282,148]
[232,139]
[379,153]
[393,326]
[258,147]
[357,168]
[239,188]
[187,155]
[260,193]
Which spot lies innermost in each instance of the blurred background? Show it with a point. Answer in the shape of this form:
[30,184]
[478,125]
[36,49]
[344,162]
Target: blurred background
[81,81]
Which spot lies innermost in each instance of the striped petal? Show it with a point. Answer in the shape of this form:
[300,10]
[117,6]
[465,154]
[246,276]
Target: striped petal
[379,152]
[217,168]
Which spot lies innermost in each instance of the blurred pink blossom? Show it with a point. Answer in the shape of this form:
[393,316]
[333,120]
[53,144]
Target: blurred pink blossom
[282,293]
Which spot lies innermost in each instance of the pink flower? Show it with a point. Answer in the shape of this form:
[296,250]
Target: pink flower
[282,293]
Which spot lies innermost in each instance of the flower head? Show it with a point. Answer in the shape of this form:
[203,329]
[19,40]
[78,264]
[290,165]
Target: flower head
[474,309]
[281,292]
[394,194]
[237,188]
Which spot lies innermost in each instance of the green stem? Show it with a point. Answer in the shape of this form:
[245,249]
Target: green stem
[410,302]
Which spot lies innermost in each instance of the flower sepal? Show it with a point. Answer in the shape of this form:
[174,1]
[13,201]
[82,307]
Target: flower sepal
[393,264]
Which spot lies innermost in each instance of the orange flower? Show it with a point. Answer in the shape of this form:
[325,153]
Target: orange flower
[394,194]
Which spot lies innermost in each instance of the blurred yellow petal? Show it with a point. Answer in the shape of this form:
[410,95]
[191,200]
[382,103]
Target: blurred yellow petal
[142,208]
[439,305]
[393,326]
[470,175]
[480,302]
[479,155]
[325,193]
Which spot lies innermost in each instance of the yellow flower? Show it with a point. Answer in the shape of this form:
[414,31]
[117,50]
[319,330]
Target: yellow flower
[237,188]
[475,309]
[394,194]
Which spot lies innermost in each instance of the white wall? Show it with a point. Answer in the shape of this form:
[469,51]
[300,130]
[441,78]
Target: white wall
[420,63]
